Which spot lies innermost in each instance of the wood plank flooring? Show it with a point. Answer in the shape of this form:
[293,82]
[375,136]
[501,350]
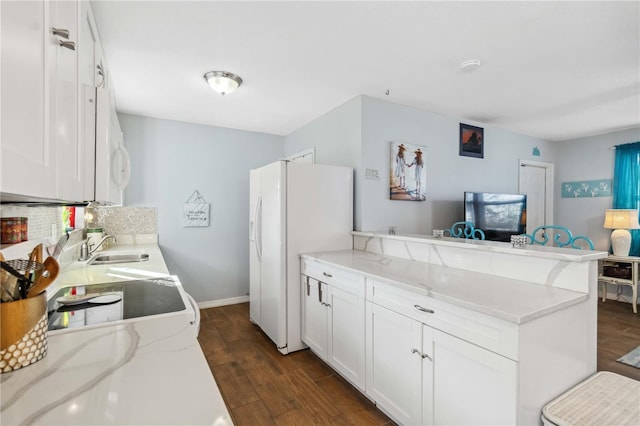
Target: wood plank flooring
[262,387]
[618,333]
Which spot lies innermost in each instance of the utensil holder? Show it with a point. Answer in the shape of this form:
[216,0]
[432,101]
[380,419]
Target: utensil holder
[23,332]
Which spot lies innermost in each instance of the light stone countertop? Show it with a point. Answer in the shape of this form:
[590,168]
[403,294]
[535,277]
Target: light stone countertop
[511,300]
[138,372]
[531,250]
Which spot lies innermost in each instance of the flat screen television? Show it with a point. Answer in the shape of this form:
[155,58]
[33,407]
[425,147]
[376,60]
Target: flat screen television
[499,215]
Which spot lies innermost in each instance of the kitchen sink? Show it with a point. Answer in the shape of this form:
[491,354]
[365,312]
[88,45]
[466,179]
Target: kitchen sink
[105,259]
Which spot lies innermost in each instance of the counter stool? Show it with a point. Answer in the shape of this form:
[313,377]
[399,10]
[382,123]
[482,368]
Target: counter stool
[605,398]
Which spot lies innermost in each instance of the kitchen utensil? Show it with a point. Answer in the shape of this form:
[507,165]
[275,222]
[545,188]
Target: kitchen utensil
[33,256]
[62,241]
[14,283]
[50,273]
[98,298]
[5,283]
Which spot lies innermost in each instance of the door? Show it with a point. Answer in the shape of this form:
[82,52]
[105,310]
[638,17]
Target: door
[255,203]
[536,181]
[346,335]
[394,376]
[27,154]
[471,385]
[306,156]
[89,44]
[314,315]
[64,101]
[272,237]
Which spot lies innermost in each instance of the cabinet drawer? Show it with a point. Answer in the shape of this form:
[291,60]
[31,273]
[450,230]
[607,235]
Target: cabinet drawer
[348,281]
[483,330]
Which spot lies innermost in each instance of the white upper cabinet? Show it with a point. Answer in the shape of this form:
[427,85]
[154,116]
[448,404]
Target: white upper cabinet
[63,58]
[51,63]
[27,154]
[87,82]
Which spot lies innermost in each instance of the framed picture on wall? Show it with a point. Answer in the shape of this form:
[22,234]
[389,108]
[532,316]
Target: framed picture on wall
[407,174]
[471,141]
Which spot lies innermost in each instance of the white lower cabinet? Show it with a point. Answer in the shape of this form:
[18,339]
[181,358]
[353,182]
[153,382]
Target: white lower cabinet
[346,335]
[471,385]
[333,327]
[314,316]
[419,375]
[395,365]
[428,361]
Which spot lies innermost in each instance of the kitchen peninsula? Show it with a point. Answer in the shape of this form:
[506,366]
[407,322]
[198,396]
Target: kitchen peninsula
[453,331]
[147,371]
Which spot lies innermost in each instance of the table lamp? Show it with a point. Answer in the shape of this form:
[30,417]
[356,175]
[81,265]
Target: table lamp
[621,220]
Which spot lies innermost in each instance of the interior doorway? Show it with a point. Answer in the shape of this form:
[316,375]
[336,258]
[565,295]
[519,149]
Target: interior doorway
[535,179]
[306,156]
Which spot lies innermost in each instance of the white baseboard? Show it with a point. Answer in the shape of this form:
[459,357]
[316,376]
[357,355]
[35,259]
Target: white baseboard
[223,302]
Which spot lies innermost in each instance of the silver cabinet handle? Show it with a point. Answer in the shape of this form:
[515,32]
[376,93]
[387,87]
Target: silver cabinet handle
[423,356]
[427,310]
[67,44]
[60,32]
[327,275]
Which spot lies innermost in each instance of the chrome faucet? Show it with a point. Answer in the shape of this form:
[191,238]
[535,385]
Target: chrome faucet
[86,251]
[91,250]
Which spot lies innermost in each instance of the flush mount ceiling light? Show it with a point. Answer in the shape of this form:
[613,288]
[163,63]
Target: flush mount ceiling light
[223,82]
[470,65]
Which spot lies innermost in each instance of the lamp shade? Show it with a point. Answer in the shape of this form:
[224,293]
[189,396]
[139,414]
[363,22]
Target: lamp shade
[223,82]
[621,219]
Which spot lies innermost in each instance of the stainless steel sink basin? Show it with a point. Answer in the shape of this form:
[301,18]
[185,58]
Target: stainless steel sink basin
[105,259]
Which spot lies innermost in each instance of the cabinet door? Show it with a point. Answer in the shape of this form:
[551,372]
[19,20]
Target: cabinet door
[314,316]
[346,335]
[64,102]
[471,385]
[394,377]
[427,375]
[89,44]
[27,156]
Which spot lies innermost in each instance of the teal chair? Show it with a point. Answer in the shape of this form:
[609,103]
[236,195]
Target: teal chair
[465,230]
[562,237]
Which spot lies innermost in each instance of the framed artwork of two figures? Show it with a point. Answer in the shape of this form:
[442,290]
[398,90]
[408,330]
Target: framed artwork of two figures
[407,177]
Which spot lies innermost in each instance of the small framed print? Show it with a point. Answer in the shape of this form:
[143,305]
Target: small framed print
[471,141]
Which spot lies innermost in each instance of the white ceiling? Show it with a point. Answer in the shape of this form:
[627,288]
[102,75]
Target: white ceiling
[553,70]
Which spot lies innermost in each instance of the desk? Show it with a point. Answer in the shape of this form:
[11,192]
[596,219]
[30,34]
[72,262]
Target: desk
[606,277]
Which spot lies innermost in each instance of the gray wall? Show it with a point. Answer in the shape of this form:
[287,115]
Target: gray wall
[169,161]
[587,159]
[448,174]
[336,136]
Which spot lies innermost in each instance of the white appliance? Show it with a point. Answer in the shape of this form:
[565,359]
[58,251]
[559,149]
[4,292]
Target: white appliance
[295,208]
[113,168]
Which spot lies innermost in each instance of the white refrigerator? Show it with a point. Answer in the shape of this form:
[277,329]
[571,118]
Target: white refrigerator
[294,208]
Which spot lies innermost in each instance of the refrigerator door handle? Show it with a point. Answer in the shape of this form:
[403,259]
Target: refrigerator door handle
[252,222]
[259,229]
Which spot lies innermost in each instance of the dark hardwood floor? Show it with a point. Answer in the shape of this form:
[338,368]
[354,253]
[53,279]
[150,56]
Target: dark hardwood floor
[262,387]
[618,333]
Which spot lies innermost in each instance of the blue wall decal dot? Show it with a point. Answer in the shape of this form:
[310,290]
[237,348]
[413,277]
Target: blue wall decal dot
[536,152]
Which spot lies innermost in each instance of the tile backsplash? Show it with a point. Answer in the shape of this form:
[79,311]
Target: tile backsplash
[127,220]
[114,220]
[40,219]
